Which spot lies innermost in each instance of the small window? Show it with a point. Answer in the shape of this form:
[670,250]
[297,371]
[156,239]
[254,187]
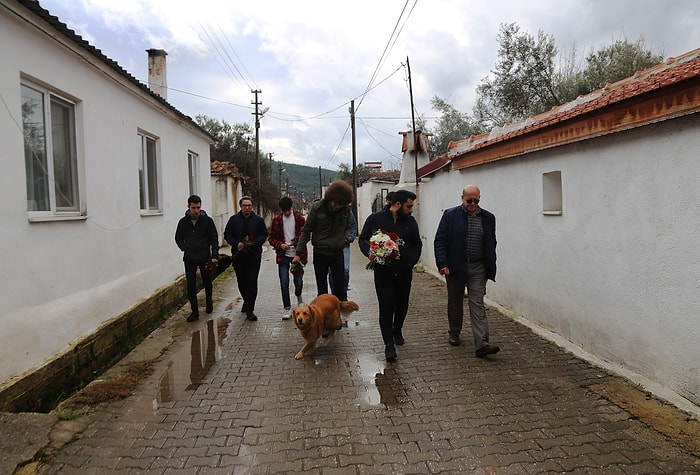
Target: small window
[148,173]
[193,168]
[51,160]
[551,193]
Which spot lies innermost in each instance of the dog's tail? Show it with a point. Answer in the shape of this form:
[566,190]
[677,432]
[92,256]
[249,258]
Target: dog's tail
[348,307]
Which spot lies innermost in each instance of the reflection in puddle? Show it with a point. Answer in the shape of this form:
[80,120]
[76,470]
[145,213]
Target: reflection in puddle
[384,384]
[187,370]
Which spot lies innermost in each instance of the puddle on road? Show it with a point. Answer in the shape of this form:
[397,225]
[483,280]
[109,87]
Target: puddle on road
[188,367]
[383,384]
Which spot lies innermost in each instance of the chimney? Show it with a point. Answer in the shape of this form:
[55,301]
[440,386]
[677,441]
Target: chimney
[157,77]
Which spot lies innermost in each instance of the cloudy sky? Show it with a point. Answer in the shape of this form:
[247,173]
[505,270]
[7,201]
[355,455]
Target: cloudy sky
[310,58]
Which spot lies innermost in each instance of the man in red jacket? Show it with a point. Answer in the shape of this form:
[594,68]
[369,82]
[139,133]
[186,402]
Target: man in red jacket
[284,235]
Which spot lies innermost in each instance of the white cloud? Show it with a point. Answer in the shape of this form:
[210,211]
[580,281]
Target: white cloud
[314,56]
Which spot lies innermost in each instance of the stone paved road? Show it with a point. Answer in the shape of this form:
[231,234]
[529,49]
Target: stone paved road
[229,397]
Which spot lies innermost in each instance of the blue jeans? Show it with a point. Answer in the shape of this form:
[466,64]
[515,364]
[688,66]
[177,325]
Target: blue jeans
[284,281]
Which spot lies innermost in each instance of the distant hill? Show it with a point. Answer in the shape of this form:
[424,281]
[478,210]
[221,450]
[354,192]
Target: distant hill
[302,178]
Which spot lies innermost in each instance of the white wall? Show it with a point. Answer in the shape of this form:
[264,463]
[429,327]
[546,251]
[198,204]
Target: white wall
[61,280]
[618,273]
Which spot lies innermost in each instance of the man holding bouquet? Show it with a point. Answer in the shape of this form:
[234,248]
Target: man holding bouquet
[391,240]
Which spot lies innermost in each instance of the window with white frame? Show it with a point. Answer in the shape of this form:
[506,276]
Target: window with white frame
[148,173]
[193,168]
[50,156]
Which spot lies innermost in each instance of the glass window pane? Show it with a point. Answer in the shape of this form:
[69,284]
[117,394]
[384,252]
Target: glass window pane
[64,157]
[193,167]
[152,173]
[35,150]
[142,171]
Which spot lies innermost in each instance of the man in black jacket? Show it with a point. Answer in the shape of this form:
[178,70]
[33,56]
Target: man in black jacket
[392,279]
[197,237]
[465,253]
[246,233]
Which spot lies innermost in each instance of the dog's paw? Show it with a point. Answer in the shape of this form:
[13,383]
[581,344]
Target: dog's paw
[299,356]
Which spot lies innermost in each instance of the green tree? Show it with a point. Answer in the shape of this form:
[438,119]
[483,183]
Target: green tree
[235,144]
[452,125]
[523,81]
[531,77]
[618,61]
[364,173]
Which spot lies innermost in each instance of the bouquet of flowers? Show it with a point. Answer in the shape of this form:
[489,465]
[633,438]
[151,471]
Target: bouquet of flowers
[296,268]
[384,247]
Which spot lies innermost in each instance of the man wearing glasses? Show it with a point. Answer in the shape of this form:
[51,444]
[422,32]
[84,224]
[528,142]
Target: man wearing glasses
[465,253]
[246,233]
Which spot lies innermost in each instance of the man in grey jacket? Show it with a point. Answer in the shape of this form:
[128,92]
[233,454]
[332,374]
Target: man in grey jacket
[328,228]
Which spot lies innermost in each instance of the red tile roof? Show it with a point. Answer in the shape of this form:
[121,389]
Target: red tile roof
[671,73]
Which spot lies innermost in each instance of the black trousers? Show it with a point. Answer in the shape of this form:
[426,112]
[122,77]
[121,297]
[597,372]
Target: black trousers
[191,276]
[393,290]
[336,264]
[247,267]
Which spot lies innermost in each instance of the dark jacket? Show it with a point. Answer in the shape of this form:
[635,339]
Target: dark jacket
[199,242]
[449,241]
[276,238]
[256,229]
[328,231]
[406,228]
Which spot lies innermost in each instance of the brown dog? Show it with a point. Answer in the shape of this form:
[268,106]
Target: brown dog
[322,314]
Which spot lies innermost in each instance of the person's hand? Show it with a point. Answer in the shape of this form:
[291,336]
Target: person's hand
[296,259]
[214,260]
[445,271]
[372,257]
[240,246]
[284,246]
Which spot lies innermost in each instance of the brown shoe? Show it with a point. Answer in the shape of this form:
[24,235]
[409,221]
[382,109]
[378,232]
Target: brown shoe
[487,350]
[454,340]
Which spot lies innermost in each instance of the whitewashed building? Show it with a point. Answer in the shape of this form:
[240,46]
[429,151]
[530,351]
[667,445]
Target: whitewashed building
[96,171]
[598,223]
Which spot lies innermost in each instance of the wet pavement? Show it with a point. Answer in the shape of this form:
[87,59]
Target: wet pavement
[228,397]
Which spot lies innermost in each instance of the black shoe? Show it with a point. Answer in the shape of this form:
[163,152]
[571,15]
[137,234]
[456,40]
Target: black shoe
[325,333]
[390,353]
[210,307]
[398,338]
[487,350]
[194,316]
[453,340]
[251,316]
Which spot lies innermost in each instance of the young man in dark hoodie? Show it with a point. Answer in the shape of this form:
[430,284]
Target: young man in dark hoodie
[392,280]
[197,238]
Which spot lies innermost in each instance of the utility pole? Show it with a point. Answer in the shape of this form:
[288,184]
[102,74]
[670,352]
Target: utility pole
[270,154]
[354,158]
[320,183]
[413,125]
[257,142]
